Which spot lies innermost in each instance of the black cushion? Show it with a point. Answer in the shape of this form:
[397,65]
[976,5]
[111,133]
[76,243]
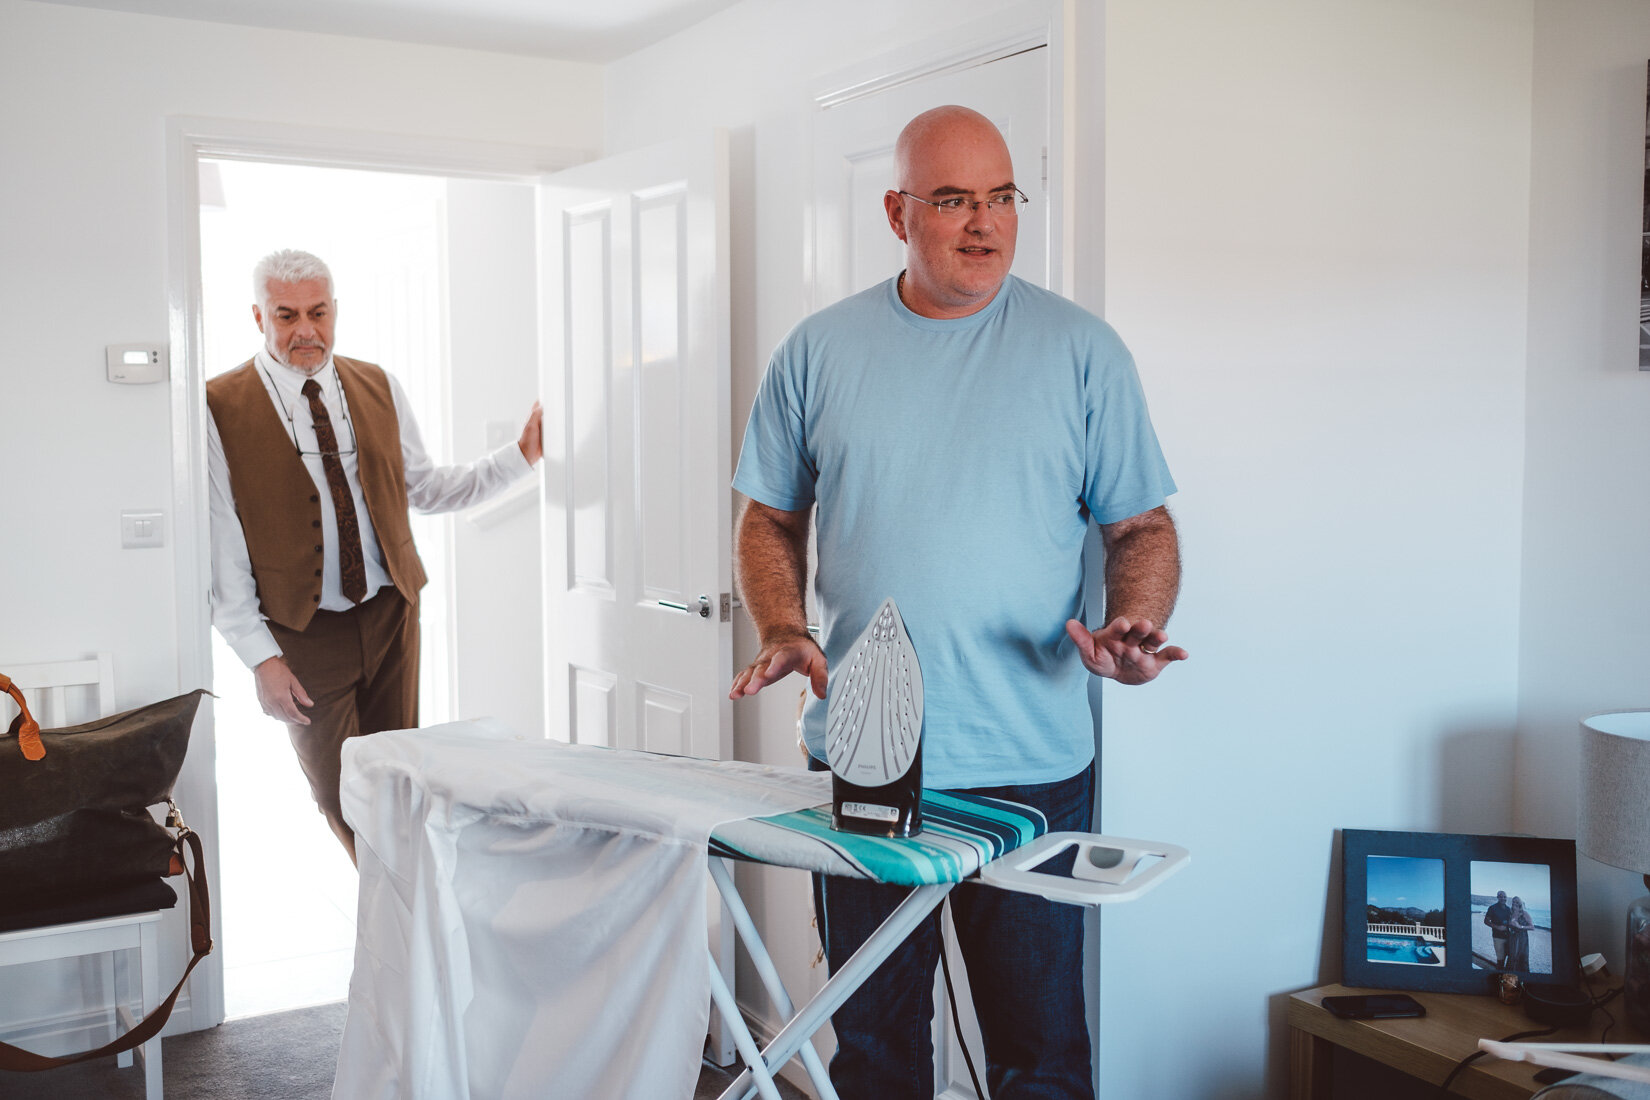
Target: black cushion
[141,897]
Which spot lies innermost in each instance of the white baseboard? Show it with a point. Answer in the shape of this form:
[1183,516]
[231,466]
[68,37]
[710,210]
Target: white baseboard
[86,1029]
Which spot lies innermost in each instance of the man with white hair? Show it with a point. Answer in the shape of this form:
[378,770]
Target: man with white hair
[958,428]
[314,460]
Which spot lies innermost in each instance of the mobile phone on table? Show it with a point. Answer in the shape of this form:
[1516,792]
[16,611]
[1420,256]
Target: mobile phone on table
[1375,1006]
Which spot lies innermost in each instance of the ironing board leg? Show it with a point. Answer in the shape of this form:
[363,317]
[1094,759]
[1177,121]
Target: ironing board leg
[742,1038]
[860,966]
[769,973]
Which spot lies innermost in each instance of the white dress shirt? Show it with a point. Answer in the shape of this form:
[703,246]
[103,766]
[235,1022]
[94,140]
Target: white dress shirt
[430,488]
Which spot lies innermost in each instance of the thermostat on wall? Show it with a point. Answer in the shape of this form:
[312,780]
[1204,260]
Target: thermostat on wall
[136,363]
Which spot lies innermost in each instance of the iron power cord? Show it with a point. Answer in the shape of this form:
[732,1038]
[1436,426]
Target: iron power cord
[1599,1002]
[1477,1054]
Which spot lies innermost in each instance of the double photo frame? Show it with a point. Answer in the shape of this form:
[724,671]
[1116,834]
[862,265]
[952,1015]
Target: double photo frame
[1451,912]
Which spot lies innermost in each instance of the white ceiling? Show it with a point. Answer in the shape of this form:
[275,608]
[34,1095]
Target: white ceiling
[571,30]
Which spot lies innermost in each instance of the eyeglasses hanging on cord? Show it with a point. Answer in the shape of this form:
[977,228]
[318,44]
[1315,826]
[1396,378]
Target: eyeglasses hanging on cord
[292,427]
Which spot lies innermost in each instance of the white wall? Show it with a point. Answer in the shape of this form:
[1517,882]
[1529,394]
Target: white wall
[83,227]
[1316,226]
[1585,630]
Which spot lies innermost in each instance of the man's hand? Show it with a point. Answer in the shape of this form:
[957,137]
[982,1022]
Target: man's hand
[280,693]
[1130,652]
[532,436]
[773,560]
[778,660]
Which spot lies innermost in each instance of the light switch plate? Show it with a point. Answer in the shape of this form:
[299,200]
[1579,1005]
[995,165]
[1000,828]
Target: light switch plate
[142,530]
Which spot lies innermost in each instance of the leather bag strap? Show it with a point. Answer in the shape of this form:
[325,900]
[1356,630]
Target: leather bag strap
[200,942]
[23,727]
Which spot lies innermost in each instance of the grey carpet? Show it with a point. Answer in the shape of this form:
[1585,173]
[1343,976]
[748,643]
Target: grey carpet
[284,1056]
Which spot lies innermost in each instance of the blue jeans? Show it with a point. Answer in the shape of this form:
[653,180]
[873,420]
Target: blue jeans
[1025,969]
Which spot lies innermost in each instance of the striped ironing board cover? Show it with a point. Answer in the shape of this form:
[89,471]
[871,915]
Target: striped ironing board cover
[960,834]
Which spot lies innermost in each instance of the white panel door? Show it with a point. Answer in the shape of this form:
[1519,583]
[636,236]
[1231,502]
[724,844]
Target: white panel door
[854,248]
[638,633]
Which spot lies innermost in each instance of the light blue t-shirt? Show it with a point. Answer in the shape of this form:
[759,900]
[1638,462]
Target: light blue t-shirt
[955,465]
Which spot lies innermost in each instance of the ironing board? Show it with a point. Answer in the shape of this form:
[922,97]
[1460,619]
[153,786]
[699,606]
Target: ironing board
[482,858]
[964,836]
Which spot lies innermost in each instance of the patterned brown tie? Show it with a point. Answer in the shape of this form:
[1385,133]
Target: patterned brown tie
[352,568]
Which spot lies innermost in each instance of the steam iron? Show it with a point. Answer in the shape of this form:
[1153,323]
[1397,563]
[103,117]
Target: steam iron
[873,733]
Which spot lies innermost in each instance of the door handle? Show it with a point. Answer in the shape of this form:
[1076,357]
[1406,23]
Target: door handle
[701,606]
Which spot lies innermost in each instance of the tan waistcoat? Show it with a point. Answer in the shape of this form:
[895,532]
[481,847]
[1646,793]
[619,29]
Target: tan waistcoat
[276,499]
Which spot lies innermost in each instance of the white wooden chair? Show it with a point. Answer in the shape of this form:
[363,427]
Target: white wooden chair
[62,693]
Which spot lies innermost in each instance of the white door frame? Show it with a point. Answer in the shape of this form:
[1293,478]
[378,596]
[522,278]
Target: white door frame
[189,139]
[1075,236]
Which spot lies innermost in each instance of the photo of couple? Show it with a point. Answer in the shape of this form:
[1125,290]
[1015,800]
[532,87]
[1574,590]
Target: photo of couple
[1512,918]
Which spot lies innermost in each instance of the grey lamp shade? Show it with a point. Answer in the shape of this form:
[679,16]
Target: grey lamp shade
[1613,802]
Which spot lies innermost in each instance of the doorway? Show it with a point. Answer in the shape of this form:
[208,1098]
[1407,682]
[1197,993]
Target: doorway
[406,295]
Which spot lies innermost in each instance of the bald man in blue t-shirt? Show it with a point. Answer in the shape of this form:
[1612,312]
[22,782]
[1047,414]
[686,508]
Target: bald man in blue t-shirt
[956,428]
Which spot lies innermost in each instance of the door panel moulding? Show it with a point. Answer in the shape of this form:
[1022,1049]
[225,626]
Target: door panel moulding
[1037,24]
[1027,26]
[967,60]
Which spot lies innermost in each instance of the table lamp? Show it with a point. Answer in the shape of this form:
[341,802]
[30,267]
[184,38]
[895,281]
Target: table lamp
[1613,826]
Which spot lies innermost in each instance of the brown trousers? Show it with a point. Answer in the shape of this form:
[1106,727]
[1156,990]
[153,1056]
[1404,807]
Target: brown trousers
[360,667]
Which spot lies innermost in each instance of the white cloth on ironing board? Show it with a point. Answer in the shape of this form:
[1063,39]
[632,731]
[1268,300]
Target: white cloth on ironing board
[532,915]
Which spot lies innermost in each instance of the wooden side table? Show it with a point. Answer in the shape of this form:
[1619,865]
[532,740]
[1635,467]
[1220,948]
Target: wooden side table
[1426,1047]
